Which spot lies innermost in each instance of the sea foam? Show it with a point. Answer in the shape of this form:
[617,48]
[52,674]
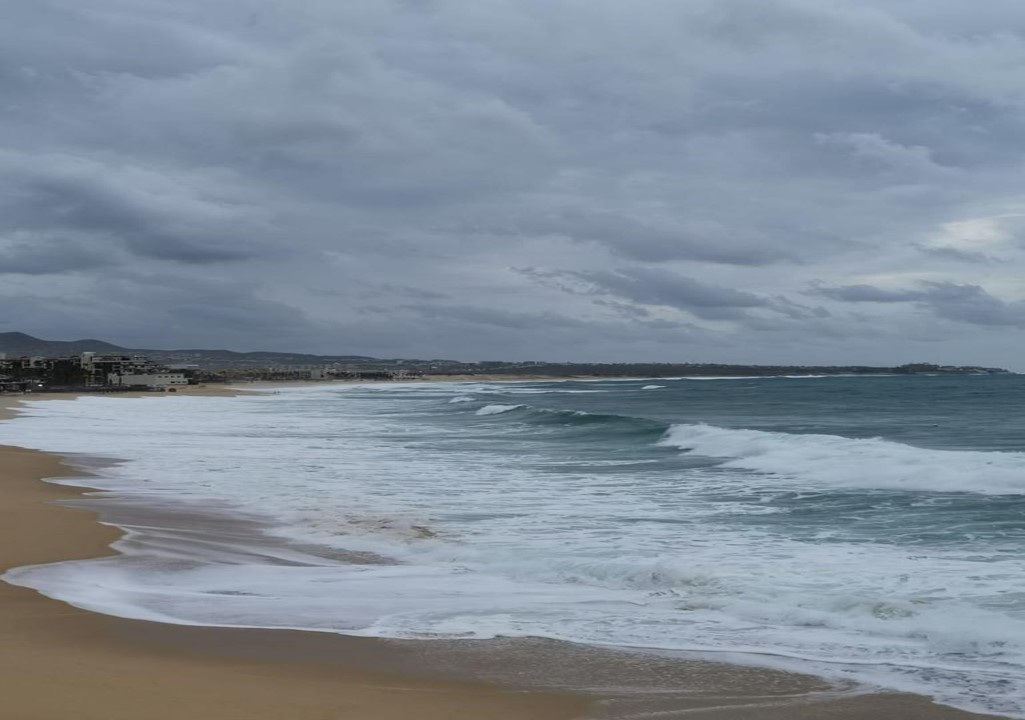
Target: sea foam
[831,460]
[497,409]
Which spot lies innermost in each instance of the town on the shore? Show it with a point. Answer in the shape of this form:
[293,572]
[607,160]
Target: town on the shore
[92,371]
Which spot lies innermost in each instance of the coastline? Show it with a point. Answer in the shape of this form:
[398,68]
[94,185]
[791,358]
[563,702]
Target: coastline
[58,661]
[61,662]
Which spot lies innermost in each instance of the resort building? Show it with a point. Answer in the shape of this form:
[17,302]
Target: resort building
[150,381]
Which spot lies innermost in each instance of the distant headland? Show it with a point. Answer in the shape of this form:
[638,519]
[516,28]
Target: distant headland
[30,362]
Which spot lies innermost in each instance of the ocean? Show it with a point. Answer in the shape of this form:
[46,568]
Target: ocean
[865,529]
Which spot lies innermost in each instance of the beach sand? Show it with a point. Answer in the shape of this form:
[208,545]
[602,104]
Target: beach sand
[58,662]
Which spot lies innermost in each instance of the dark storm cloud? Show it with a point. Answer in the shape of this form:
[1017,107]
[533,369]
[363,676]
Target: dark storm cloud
[869,293]
[961,302]
[39,256]
[495,318]
[675,173]
[654,286]
[971,304]
[149,305]
[151,213]
[649,240]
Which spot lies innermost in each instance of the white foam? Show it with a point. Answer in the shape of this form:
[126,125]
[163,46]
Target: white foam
[652,387]
[497,409]
[833,461]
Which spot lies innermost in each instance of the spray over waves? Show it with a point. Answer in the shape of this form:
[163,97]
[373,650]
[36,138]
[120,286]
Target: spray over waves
[870,463]
[497,409]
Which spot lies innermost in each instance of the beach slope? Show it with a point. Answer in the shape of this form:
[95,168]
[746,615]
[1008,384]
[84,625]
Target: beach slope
[58,662]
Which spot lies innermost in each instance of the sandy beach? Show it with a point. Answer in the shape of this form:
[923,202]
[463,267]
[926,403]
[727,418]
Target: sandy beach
[60,662]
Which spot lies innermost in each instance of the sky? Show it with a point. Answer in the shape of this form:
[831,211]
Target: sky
[749,181]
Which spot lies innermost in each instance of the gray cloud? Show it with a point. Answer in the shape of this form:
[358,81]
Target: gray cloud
[152,212]
[961,302]
[654,239]
[655,286]
[869,293]
[27,255]
[971,304]
[495,318]
[366,176]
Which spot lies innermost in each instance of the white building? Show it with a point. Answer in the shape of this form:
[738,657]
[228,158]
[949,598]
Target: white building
[157,380]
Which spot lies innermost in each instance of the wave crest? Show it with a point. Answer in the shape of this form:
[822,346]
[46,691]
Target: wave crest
[497,409]
[871,463]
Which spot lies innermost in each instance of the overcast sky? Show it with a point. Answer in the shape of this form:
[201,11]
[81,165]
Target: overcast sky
[801,181]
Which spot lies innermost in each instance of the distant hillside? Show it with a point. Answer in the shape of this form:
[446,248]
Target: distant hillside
[16,343]
[231,359]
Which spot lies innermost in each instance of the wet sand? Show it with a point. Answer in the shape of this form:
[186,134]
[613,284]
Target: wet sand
[58,662]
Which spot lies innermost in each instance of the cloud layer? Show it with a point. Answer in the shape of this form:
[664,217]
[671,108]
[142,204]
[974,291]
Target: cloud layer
[730,180]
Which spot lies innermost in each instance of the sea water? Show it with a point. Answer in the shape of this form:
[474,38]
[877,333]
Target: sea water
[868,528]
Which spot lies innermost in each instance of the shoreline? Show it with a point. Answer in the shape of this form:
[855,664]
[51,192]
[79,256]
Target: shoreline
[112,668]
[59,661]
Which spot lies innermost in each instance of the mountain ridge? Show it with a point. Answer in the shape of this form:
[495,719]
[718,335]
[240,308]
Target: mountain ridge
[16,344]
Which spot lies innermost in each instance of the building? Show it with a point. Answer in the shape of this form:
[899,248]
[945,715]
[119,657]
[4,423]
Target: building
[150,381]
[97,369]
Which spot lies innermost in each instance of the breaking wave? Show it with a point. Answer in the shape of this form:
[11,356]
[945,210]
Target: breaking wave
[623,427]
[869,463]
[497,409]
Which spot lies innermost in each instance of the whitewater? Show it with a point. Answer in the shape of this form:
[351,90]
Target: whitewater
[866,529]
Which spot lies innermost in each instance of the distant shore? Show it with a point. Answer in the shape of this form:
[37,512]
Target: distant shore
[59,662]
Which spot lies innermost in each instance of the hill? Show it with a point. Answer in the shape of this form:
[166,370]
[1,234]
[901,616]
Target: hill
[16,344]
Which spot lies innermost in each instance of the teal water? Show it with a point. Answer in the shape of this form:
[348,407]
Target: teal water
[924,499]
